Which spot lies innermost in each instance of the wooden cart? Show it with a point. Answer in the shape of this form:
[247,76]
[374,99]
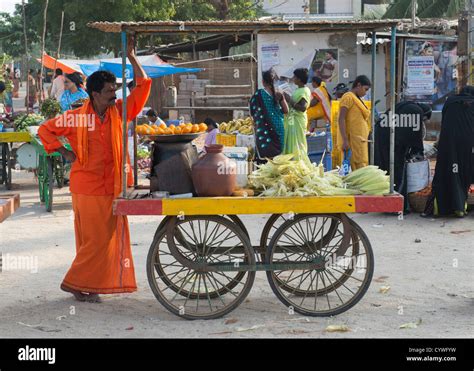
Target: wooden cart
[202,265]
[6,155]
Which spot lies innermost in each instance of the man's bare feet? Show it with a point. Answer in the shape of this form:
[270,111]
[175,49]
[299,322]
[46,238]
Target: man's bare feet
[77,294]
[94,298]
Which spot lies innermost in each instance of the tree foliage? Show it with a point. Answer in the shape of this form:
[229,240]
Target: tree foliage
[83,41]
[425,9]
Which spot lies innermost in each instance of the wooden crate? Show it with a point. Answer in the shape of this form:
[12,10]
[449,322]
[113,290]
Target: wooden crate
[9,203]
[227,140]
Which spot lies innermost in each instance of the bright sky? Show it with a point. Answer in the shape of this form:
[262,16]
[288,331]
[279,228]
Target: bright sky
[8,5]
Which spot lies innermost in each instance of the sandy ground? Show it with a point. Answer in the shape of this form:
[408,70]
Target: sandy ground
[431,280]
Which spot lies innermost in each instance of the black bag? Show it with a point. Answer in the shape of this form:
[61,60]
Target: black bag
[267,140]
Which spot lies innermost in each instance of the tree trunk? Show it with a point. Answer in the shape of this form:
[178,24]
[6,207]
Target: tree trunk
[222,8]
[43,40]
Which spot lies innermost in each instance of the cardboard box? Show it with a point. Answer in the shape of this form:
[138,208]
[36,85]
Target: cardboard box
[245,141]
[228,140]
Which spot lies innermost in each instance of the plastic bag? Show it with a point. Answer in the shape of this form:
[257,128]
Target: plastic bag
[346,163]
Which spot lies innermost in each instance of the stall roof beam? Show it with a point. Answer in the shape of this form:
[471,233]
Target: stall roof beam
[232,27]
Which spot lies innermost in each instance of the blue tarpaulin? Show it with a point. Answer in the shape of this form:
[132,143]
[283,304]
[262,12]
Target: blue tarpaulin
[152,71]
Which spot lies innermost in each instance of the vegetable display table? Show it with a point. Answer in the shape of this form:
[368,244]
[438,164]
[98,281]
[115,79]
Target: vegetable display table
[6,156]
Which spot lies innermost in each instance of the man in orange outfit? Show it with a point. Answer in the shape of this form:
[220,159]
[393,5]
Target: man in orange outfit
[103,262]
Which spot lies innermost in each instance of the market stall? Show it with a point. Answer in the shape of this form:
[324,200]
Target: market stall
[201,263]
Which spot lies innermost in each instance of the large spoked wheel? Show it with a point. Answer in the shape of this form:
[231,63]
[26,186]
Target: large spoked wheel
[343,259]
[234,218]
[272,224]
[168,280]
[177,261]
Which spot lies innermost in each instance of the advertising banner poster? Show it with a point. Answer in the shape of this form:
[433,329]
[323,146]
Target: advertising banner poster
[430,71]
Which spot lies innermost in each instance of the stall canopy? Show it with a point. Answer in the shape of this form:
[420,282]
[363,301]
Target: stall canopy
[53,63]
[152,64]
[152,71]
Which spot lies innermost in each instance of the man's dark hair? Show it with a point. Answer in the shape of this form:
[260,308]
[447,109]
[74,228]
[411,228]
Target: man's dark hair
[332,53]
[97,81]
[151,113]
[58,71]
[317,80]
[302,74]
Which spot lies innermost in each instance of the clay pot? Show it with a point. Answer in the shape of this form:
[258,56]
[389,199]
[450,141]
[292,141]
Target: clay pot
[214,174]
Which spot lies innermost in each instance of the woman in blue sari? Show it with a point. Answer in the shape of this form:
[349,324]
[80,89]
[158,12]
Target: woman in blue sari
[72,91]
[268,108]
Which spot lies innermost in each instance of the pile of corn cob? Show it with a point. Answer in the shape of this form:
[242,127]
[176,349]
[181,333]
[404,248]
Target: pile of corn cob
[283,176]
[369,180]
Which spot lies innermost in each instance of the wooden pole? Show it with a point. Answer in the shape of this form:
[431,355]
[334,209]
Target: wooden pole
[26,55]
[124,115]
[42,52]
[372,96]
[60,39]
[393,56]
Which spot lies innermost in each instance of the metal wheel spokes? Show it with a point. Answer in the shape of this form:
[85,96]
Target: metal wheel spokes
[200,293]
[338,281]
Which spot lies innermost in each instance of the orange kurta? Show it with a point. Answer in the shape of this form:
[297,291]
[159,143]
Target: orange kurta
[103,262]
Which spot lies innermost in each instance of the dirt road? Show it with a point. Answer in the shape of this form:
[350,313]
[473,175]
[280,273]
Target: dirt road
[431,281]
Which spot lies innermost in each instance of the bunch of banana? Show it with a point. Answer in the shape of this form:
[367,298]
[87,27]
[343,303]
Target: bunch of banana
[242,126]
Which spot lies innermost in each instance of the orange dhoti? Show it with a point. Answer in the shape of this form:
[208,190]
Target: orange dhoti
[103,263]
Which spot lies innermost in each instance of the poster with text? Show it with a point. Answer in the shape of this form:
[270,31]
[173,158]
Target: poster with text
[420,75]
[430,71]
[270,56]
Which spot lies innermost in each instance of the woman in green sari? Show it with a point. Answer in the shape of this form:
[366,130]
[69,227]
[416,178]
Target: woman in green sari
[296,119]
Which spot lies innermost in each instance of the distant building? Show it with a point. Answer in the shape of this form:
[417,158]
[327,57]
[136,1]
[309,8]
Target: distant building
[334,9]
[298,9]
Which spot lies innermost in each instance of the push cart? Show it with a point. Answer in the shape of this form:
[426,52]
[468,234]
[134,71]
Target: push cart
[50,167]
[7,158]
[201,263]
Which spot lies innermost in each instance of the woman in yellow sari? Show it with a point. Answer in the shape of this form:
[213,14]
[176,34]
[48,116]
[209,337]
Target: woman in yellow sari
[354,122]
[296,119]
[320,105]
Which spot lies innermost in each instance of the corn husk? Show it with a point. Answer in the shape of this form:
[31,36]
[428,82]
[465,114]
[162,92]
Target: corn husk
[284,177]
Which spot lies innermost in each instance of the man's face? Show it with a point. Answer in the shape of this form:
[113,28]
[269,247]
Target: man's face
[315,85]
[151,118]
[328,56]
[107,96]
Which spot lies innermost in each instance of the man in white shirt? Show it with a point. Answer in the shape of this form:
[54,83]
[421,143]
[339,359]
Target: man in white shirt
[57,88]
